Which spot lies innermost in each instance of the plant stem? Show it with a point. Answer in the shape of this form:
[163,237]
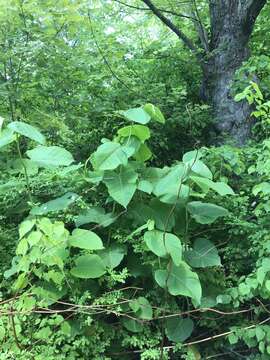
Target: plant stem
[25,170]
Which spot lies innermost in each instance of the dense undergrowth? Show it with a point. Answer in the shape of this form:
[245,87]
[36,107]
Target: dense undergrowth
[118,258]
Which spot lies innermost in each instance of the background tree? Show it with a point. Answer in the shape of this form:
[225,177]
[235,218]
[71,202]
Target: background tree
[222,48]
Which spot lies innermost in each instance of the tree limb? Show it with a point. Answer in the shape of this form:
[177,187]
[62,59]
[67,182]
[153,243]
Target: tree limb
[104,57]
[161,10]
[202,33]
[253,9]
[181,35]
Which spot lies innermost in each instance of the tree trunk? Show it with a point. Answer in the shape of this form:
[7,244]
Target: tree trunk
[231,118]
[231,26]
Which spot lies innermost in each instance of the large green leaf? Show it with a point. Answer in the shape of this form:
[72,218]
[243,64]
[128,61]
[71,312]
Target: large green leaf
[85,239]
[169,188]
[19,165]
[142,308]
[108,156]
[59,204]
[95,214]
[131,145]
[191,156]
[164,220]
[155,241]
[179,329]
[174,248]
[205,213]
[6,137]
[88,267]
[161,244]
[25,227]
[55,255]
[140,131]
[155,113]
[155,210]
[132,325]
[48,293]
[113,255]
[204,254]
[145,186]
[50,156]
[263,187]
[178,193]
[180,280]
[170,179]
[199,168]
[153,175]
[27,130]
[138,115]
[95,177]
[220,187]
[143,154]
[121,185]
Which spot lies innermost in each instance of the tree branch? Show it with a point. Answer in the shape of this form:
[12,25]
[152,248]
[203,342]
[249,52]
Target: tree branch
[202,33]
[181,35]
[104,57]
[161,10]
[252,11]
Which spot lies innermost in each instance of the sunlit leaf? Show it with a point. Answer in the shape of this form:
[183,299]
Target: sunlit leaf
[50,156]
[138,115]
[88,267]
[85,239]
[140,131]
[108,156]
[121,185]
[58,204]
[7,136]
[155,113]
[27,130]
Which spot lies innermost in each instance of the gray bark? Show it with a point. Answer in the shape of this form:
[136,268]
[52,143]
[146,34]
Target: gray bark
[232,23]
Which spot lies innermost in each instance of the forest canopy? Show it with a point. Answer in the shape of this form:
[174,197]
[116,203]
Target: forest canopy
[134,182]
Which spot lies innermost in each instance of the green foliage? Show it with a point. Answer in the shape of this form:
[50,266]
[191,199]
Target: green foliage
[50,156]
[57,263]
[110,246]
[179,329]
[27,130]
[203,254]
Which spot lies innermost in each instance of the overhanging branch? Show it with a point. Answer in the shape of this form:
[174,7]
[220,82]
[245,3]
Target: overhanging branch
[253,9]
[181,35]
[202,33]
[161,10]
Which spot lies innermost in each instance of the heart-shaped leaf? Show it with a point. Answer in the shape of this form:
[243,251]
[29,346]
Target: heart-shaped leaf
[203,254]
[27,130]
[205,213]
[88,267]
[85,239]
[179,329]
[50,156]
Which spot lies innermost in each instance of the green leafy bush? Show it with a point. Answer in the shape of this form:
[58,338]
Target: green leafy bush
[120,258]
